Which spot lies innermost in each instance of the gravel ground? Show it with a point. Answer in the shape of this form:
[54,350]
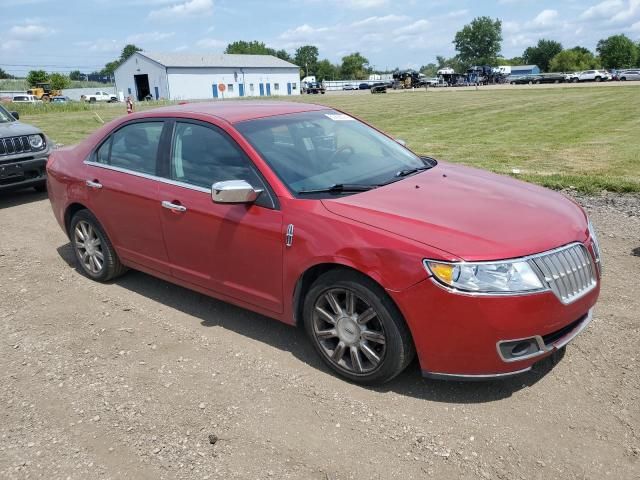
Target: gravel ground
[142,379]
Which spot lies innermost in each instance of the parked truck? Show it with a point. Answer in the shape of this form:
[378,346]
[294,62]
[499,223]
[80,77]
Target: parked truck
[100,97]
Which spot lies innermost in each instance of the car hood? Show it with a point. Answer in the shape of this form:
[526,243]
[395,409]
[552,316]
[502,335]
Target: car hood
[14,129]
[470,213]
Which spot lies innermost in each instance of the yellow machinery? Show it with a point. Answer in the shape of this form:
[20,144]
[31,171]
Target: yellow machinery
[44,92]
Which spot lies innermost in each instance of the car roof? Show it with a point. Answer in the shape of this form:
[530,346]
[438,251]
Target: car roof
[240,110]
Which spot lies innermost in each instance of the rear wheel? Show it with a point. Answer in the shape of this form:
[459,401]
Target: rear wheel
[94,252]
[356,328]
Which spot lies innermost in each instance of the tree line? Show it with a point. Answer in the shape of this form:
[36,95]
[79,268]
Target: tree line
[306,57]
[477,43]
[480,43]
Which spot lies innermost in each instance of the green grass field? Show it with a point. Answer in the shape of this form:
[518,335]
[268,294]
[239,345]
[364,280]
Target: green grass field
[586,138]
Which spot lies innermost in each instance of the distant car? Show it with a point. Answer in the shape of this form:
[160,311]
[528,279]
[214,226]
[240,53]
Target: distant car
[590,76]
[100,97]
[625,75]
[525,79]
[349,86]
[379,87]
[364,86]
[25,99]
[432,82]
[551,78]
[60,99]
[24,150]
[315,88]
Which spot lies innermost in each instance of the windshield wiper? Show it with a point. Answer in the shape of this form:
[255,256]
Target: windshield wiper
[410,171]
[340,188]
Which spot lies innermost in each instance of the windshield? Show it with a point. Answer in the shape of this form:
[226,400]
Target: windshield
[5,116]
[319,150]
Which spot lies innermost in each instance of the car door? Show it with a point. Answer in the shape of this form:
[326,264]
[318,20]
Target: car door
[232,249]
[122,191]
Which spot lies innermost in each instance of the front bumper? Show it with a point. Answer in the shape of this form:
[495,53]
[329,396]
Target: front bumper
[17,172]
[459,336]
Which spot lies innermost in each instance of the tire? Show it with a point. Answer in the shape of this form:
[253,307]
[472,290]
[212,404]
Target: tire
[624,79]
[92,100]
[598,79]
[538,82]
[105,265]
[369,353]
[41,187]
[575,80]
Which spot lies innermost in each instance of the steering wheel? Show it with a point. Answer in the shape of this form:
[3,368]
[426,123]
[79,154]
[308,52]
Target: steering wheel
[340,151]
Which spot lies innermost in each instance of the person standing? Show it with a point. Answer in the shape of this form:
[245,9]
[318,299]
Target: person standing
[129,106]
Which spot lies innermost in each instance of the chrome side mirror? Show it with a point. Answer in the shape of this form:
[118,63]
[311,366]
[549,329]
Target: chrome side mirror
[234,191]
[401,142]
[15,115]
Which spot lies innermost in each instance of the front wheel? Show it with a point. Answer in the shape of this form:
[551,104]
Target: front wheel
[356,328]
[94,252]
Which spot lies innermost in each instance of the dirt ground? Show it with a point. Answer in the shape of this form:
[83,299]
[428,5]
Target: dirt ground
[137,378]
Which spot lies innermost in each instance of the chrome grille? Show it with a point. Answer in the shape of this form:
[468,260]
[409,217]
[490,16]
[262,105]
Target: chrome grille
[568,271]
[12,145]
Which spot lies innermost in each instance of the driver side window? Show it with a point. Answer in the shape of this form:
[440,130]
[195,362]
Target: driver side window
[202,156]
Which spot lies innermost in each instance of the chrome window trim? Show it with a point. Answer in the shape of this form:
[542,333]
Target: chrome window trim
[148,176]
[528,258]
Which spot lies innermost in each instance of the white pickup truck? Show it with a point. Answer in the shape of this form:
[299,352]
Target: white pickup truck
[100,97]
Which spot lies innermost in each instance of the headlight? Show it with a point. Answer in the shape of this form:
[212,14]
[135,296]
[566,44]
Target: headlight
[486,277]
[36,142]
[596,246]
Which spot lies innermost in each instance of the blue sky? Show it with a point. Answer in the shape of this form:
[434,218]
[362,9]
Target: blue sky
[61,35]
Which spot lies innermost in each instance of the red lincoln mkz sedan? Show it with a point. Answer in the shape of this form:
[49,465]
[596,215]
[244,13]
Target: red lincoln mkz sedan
[307,215]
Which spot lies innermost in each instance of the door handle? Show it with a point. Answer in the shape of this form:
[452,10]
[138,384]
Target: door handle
[173,207]
[93,184]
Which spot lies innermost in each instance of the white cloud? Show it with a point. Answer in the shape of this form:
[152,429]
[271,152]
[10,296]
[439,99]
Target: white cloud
[602,10]
[545,18]
[149,37]
[364,3]
[377,21]
[418,26]
[29,32]
[303,32]
[211,43]
[190,8]
[102,45]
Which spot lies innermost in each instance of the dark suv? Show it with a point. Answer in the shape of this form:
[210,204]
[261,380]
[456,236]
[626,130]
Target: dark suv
[24,150]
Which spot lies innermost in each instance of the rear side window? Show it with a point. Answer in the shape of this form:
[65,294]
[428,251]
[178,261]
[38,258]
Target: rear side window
[133,147]
[202,156]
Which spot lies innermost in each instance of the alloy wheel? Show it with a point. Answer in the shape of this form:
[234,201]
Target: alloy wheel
[89,247]
[348,331]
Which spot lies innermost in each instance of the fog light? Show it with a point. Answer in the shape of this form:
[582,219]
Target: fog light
[521,349]
[514,350]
